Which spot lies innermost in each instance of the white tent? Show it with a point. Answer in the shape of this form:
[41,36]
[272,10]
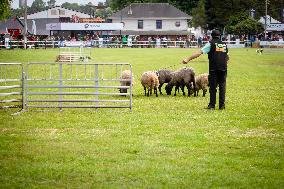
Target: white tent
[269,20]
[272,24]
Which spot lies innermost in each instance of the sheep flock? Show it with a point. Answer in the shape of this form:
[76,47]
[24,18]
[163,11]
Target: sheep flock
[153,81]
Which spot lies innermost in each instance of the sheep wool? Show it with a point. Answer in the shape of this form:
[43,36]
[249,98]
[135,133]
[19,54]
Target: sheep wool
[150,81]
[201,83]
[126,77]
[182,77]
[165,76]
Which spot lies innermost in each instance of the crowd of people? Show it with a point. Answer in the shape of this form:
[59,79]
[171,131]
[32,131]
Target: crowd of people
[143,41]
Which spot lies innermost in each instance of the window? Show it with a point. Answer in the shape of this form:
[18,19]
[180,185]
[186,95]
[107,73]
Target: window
[61,12]
[177,23]
[140,24]
[53,12]
[158,24]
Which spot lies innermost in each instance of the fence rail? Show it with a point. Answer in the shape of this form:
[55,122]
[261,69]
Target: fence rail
[65,85]
[132,44]
[11,85]
[77,85]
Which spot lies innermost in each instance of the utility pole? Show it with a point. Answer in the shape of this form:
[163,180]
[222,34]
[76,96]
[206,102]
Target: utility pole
[26,27]
[265,19]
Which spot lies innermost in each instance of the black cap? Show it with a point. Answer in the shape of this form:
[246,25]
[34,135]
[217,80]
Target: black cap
[215,33]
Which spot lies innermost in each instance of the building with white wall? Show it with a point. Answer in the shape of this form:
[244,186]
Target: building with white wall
[152,19]
[40,19]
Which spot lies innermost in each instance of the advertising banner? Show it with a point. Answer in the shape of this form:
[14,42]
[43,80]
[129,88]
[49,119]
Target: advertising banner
[275,27]
[84,26]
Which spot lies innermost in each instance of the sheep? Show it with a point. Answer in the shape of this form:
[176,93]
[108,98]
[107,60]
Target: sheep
[201,82]
[150,81]
[125,77]
[183,77]
[165,76]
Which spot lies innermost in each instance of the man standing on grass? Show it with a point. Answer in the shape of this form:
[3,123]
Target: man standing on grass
[218,56]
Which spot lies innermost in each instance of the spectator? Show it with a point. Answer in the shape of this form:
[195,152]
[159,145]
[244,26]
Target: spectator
[199,42]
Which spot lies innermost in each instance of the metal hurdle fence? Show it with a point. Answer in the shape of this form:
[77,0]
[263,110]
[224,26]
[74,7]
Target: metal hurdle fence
[74,54]
[76,85]
[11,85]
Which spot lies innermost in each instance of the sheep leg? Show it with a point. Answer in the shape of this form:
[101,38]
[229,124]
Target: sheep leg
[188,88]
[150,91]
[204,92]
[156,91]
[145,91]
[182,89]
[160,88]
[176,89]
[194,87]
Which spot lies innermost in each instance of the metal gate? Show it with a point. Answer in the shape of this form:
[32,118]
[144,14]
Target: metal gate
[77,85]
[11,85]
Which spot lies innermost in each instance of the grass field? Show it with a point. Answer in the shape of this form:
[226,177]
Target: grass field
[165,142]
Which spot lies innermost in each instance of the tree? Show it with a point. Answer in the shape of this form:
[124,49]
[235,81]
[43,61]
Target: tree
[234,20]
[72,6]
[241,23]
[198,15]
[183,5]
[107,3]
[5,7]
[51,3]
[37,5]
[248,26]
[218,12]
[104,13]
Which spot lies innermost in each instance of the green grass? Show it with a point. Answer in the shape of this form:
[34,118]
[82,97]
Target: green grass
[165,142]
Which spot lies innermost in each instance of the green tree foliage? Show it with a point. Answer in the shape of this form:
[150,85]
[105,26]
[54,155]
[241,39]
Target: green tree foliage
[248,26]
[51,3]
[4,9]
[234,20]
[198,15]
[37,6]
[183,5]
[218,12]
[104,13]
[241,23]
[72,6]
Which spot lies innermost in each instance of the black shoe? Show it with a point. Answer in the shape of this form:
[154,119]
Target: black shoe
[210,107]
[222,107]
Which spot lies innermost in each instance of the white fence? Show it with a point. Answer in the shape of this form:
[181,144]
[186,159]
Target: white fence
[132,44]
[76,85]
[66,85]
[11,85]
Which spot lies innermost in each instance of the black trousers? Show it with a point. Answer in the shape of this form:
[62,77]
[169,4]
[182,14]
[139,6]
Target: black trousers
[217,78]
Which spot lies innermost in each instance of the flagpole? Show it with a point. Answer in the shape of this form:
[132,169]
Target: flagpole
[265,19]
[26,27]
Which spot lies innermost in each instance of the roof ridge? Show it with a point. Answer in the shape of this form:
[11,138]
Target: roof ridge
[150,3]
[56,6]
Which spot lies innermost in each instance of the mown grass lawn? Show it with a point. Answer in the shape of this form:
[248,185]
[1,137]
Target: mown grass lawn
[165,142]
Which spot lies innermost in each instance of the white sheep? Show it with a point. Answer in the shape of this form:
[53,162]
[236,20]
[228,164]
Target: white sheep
[126,78]
[201,83]
[150,81]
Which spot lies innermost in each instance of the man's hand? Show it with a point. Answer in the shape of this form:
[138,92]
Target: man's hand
[184,61]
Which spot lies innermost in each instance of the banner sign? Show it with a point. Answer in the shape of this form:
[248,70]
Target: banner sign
[275,27]
[53,26]
[84,26]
